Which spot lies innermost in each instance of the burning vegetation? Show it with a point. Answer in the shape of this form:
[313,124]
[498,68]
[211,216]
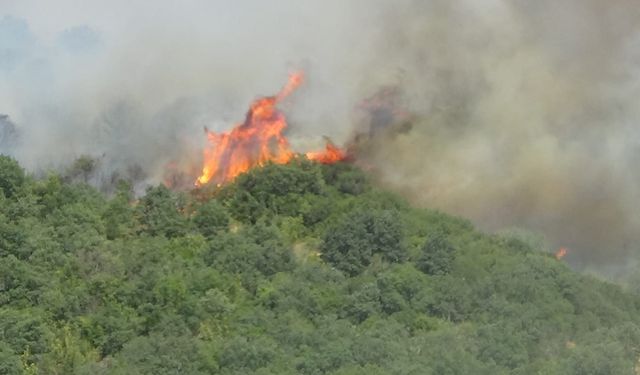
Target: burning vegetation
[260,139]
[561,253]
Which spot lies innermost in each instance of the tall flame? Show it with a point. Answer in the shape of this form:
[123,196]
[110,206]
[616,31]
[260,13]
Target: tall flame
[258,140]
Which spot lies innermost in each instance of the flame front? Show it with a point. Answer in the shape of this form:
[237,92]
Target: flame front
[258,140]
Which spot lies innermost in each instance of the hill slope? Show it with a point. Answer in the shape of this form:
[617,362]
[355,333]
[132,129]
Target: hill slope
[293,269]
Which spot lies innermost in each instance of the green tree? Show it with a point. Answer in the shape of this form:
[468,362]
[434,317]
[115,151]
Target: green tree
[211,218]
[437,255]
[346,178]
[363,303]
[350,245]
[259,248]
[82,169]
[273,190]
[159,354]
[9,361]
[12,176]
[118,216]
[245,354]
[158,213]
[68,353]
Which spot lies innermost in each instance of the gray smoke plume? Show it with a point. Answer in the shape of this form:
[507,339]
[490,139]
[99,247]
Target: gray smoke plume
[521,113]
[527,116]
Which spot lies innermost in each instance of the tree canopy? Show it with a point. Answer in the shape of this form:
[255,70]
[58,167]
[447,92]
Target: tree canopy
[292,269]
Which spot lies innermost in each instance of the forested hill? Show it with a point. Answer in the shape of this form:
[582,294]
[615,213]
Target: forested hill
[293,269]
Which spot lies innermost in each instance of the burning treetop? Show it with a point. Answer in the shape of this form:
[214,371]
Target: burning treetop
[258,140]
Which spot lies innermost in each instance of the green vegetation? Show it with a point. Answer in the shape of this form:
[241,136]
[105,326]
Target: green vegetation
[293,269]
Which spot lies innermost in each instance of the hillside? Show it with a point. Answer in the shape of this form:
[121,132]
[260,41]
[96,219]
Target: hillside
[292,269]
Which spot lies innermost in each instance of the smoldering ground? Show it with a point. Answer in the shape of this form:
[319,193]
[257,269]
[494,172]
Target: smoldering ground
[523,114]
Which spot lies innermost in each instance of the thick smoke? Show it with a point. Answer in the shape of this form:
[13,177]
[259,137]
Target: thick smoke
[523,113]
[133,86]
[527,117]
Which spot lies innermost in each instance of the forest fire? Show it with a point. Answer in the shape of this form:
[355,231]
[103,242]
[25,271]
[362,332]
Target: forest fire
[258,140]
[561,253]
[331,154]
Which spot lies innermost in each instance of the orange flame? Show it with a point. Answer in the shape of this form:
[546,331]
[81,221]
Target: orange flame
[257,141]
[330,155]
[561,253]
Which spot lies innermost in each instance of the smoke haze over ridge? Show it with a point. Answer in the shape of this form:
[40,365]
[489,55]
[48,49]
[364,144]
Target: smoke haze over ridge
[525,112]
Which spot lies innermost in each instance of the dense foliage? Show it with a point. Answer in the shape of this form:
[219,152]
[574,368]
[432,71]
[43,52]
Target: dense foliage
[292,269]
